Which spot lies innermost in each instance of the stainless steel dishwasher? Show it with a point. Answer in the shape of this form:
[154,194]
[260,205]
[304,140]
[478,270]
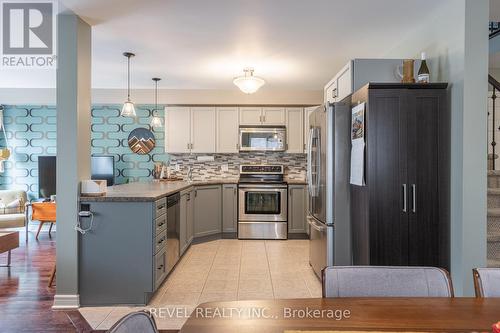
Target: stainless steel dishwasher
[173,220]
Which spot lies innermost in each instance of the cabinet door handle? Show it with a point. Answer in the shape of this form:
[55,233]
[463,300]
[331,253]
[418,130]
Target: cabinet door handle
[404,198]
[334,93]
[414,198]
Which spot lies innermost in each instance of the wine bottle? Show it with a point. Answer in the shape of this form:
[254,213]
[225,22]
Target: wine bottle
[423,72]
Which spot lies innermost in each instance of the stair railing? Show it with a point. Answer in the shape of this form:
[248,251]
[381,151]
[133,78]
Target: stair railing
[496,88]
[494,29]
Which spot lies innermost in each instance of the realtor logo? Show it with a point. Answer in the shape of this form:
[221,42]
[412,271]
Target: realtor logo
[28,34]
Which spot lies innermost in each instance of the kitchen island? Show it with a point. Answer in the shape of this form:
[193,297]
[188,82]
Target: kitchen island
[138,232]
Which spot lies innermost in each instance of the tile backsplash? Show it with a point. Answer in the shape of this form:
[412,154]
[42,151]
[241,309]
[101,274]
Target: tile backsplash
[295,164]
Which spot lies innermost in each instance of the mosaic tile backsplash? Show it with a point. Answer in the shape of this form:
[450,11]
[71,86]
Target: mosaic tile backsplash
[31,132]
[295,164]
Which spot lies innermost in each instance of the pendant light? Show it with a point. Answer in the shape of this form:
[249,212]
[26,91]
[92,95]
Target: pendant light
[156,121]
[249,83]
[128,109]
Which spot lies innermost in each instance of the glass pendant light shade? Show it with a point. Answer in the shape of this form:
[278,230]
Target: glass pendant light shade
[249,83]
[128,109]
[156,121]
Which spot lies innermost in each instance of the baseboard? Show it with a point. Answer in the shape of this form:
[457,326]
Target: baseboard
[298,236]
[207,238]
[229,235]
[66,302]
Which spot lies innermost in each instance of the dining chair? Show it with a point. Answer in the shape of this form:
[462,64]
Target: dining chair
[43,212]
[486,282]
[140,321]
[386,281]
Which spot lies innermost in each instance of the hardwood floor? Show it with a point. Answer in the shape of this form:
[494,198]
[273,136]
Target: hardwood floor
[25,299]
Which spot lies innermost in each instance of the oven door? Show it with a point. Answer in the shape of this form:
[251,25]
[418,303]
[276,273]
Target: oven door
[262,202]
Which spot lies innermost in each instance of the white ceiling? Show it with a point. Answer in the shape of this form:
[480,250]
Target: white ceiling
[203,44]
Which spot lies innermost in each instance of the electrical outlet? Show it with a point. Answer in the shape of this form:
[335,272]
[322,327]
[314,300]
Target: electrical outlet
[177,167]
[224,168]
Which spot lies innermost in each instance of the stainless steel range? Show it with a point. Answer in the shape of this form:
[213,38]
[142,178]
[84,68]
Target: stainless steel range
[262,202]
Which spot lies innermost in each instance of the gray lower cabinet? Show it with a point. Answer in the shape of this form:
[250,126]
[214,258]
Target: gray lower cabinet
[207,210]
[122,259]
[229,208]
[297,222]
[186,224]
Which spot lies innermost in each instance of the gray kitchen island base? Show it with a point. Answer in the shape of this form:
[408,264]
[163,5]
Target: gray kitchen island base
[120,262]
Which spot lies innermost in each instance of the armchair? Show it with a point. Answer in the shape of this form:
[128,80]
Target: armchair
[12,216]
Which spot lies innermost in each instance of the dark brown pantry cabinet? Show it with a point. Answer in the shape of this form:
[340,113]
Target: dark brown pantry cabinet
[401,215]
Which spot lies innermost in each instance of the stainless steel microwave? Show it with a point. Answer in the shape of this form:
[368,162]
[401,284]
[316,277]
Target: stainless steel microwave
[263,138]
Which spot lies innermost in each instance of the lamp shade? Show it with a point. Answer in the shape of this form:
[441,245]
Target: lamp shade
[156,122]
[248,83]
[128,109]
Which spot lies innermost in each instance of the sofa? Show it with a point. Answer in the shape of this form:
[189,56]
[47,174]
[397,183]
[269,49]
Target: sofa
[12,208]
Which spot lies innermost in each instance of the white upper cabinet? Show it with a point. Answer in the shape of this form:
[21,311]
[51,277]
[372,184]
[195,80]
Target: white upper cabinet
[344,82]
[177,129]
[227,130]
[307,113]
[250,116]
[340,86]
[294,130]
[203,130]
[273,116]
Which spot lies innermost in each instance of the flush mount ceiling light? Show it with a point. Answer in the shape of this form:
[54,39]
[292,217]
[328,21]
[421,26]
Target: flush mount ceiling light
[156,121]
[248,83]
[128,109]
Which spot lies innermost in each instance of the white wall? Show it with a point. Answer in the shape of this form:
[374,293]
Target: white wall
[456,41]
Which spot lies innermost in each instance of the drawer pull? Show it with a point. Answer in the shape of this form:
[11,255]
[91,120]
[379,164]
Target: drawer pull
[160,224]
[160,267]
[160,207]
[161,241]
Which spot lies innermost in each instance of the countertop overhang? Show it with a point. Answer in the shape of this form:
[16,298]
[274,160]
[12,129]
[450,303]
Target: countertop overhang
[154,190]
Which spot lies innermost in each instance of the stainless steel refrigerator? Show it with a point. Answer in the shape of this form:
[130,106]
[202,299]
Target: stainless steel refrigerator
[328,161]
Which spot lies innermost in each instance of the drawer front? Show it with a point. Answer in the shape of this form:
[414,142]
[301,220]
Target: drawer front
[160,224]
[160,241]
[160,268]
[160,207]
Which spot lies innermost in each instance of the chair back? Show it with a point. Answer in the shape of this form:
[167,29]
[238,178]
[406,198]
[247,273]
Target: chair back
[8,196]
[487,282]
[385,281]
[135,322]
[43,211]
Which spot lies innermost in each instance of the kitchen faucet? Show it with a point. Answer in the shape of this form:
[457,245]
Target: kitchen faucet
[190,174]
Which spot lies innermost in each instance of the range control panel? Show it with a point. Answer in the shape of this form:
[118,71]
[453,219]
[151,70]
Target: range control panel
[252,169]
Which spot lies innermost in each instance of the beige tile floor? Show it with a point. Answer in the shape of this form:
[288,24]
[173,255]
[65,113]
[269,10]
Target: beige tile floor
[224,270]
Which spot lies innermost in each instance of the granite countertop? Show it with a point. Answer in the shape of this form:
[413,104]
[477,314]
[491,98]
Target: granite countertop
[152,191]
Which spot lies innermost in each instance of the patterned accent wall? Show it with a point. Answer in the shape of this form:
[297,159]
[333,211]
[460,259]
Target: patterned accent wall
[109,137]
[31,132]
